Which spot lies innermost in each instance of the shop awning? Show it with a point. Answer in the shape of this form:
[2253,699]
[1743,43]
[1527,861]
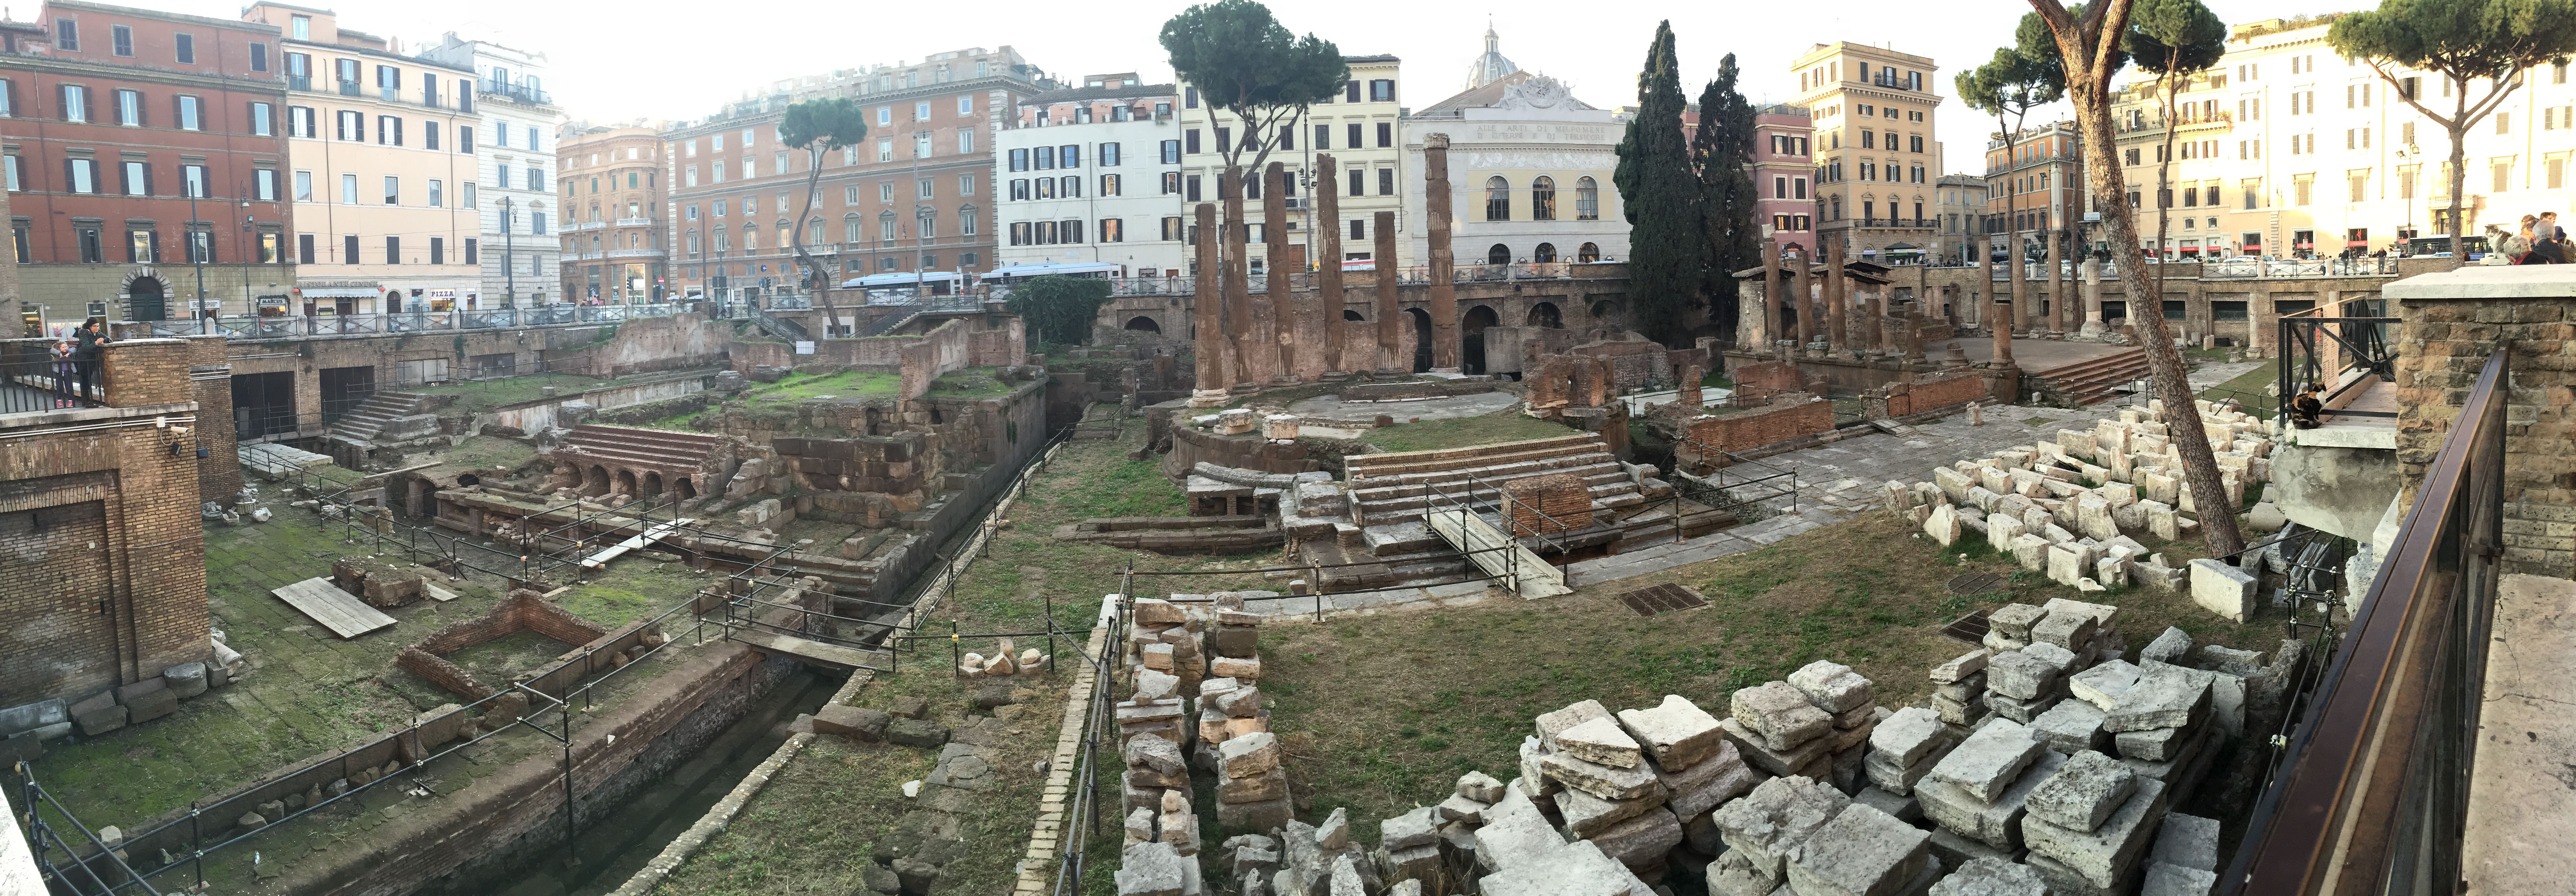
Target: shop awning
[341,292]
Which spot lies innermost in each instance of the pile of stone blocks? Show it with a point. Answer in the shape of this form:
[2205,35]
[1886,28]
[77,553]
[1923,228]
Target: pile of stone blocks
[2061,507]
[2089,824]
[1434,847]
[1902,751]
[2184,861]
[1765,828]
[1165,638]
[1976,794]
[1817,724]
[2158,716]
[1320,859]
[1596,778]
[1519,850]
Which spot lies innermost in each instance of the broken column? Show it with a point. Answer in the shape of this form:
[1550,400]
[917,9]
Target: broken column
[1444,296]
[1285,329]
[1208,343]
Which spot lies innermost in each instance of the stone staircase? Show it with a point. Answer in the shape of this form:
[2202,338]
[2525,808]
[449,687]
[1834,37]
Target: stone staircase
[625,447]
[364,423]
[2092,381]
[1389,492]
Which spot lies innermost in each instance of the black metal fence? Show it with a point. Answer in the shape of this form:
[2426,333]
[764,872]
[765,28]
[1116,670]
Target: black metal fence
[33,379]
[2372,790]
[2342,354]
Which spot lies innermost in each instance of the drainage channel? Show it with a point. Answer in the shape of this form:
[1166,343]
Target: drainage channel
[612,850]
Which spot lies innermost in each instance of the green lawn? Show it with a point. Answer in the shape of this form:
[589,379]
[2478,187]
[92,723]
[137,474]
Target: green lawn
[1502,426]
[972,382]
[484,395]
[845,384]
[2249,389]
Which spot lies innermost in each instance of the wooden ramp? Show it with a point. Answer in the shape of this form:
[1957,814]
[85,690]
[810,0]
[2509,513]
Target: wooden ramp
[344,615]
[648,536]
[808,650]
[1522,570]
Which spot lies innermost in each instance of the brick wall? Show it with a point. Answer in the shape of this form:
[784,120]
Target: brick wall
[1794,415]
[1549,503]
[2441,347]
[1934,392]
[1768,377]
[523,610]
[210,386]
[88,491]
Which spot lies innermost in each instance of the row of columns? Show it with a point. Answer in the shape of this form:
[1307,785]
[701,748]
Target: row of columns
[1245,342]
[1882,329]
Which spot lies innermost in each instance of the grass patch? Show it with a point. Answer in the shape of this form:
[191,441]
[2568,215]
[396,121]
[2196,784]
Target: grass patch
[484,395]
[2249,389]
[812,829]
[1718,379]
[1455,432]
[972,382]
[844,384]
[1396,706]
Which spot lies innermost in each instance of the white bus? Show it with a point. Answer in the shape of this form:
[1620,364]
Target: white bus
[897,288]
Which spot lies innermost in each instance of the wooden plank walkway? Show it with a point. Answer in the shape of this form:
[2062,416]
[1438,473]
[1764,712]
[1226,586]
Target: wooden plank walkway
[344,615]
[803,649]
[637,542]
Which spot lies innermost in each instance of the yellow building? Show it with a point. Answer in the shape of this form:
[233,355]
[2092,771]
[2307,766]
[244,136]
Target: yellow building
[1876,158]
[1360,127]
[2284,149]
[381,146]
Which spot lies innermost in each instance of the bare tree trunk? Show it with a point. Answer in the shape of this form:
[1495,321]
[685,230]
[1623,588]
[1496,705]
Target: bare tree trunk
[814,276]
[2459,180]
[2088,89]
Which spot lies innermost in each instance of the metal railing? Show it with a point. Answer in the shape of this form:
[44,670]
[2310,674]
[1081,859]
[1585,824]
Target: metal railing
[2360,343]
[2253,268]
[32,380]
[519,92]
[2374,790]
[252,328]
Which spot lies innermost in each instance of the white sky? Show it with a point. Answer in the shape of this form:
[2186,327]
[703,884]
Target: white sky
[672,60]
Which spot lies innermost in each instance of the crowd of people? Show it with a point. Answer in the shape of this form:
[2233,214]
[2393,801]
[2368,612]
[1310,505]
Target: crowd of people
[2539,241]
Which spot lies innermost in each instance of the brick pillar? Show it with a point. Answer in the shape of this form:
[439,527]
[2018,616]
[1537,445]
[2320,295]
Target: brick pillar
[1274,318]
[1207,317]
[210,385]
[1687,394]
[1328,265]
[1391,359]
[1561,497]
[1444,296]
[145,372]
[1247,368]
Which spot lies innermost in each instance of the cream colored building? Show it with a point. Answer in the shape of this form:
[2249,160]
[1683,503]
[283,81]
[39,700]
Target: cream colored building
[1876,158]
[615,240]
[2284,149]
[381,148]
[1361,128]
[1529,174]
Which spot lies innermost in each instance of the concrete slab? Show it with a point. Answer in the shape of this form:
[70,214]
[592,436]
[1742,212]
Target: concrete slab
[2522,793]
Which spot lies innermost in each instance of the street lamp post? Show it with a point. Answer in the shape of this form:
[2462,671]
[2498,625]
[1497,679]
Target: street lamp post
[196,308]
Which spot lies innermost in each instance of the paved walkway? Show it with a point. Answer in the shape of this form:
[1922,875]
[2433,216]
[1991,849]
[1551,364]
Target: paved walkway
[2522,789]
[1839,481]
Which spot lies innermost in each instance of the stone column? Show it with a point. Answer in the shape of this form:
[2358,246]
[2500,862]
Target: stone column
[1207,318]
[1393,357]
[1274,319]
[1873,313]
[1328,267]
[2061,316]
[1444,296]
[2001,315]
[2021,318]
[1767,311]
[1837,295]
[1801,302]
[2094,324]
[1686,394]
[1246,369]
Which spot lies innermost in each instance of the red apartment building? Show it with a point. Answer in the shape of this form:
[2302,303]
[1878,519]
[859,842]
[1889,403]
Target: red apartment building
[118,118]
[1783,163]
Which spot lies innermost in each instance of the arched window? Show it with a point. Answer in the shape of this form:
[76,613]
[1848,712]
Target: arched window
[1543,203]
[850,230]
[1499,253]
[1546,252]
[814,232]
[1587,200]
[1498,199]
[885,227]
[751,239]
[1587,253]
[969,221]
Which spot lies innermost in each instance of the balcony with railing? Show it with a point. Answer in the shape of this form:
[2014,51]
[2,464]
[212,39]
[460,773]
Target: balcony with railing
[519,93]
[635,253]
[634,222]
[579,226]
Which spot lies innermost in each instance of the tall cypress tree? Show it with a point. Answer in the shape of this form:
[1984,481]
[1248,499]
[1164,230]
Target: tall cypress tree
[1722,150]
[1666,248]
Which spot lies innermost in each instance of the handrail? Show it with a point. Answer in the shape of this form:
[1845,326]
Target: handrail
[2364,344]
[2378,774]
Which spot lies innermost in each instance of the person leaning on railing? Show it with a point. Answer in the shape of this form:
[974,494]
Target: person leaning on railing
[64,370]
[89,344]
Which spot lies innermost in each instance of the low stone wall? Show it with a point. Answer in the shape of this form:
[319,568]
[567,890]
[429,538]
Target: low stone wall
[523,610]
[1414,389]
[542,414]
[1934,393]
[1791,416]
[1191,446]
